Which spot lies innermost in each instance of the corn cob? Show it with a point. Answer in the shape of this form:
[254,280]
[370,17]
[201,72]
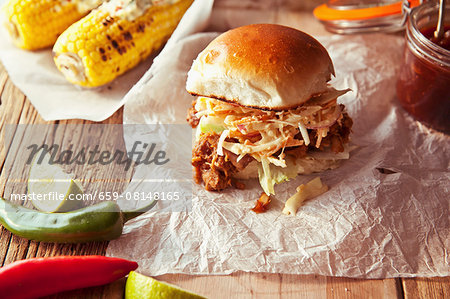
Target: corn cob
[108,42]
[36,24]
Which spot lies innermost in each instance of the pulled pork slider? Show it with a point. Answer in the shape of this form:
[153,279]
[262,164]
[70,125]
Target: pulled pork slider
[264,108]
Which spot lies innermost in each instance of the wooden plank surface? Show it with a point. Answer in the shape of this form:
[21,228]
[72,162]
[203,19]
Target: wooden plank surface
[415,288]
[15,108]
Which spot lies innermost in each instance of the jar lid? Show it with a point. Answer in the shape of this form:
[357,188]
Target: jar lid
[353,16]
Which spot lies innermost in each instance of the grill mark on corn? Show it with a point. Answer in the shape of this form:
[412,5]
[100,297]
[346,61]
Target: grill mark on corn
[121,50]
[127,36]
[107,20]
[118,43]
[141,28]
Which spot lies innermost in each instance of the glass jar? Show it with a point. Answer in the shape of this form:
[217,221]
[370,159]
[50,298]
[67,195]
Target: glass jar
[423,86]
[357,16]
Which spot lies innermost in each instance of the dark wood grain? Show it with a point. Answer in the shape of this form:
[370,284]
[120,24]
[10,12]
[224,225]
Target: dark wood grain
[415,288]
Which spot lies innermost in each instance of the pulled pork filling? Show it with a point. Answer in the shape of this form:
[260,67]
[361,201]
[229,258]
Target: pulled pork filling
[230,136]
[214,170]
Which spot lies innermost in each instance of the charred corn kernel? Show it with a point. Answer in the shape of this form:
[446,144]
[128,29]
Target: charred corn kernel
[116,36]
[36,24]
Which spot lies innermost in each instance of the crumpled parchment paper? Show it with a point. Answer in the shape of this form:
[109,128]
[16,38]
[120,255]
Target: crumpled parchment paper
[55,98]
[370,224]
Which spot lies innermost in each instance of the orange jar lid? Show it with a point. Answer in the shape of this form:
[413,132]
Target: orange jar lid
[351,16]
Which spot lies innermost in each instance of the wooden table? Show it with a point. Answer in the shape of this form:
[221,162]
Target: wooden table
[15,109]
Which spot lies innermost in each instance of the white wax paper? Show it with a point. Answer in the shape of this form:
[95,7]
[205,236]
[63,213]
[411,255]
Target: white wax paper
[368,225]
[55,98]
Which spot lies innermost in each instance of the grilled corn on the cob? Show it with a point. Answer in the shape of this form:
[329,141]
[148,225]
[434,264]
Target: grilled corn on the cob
[114,38]
[36,24]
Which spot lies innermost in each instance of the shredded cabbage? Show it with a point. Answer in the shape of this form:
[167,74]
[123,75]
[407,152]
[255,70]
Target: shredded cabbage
[262,133]
[221,141]
[304,133]
[269,175]
[211,124]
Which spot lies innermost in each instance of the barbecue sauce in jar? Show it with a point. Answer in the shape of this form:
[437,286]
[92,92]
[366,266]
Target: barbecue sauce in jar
[423,86]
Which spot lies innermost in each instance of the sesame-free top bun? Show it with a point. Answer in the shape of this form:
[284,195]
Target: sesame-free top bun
[263,66]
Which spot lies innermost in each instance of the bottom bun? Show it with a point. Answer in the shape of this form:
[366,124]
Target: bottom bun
[305,165]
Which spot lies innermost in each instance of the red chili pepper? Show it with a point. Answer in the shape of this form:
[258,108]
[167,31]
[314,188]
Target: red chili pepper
[39,277]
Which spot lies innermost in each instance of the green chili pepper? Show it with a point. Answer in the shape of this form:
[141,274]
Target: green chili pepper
[100,222]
